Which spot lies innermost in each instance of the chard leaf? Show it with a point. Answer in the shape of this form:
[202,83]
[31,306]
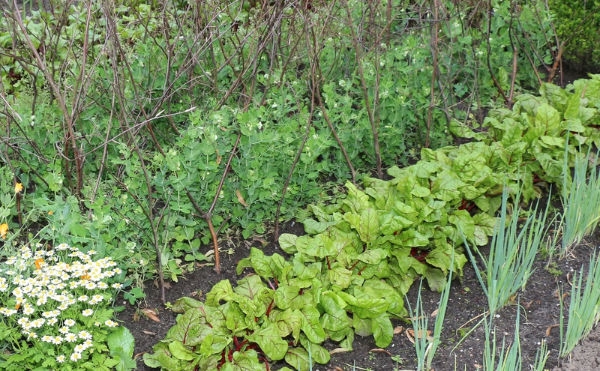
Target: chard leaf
[270,341]
[180,351]
[383,331]
[162,358]
[553,141]
[311,325]
[412,238]
[548,117]
[340,277]
[393,223]
[436,279]
[317,353]
[214,343]
[464,223]
[250,286]
[318,246]
[189,329]
[362,326]
[373,256]
[335,317]
[222,290]
[312,226]
[356,200]
[184,304]
[298,358]
[366,224]
[288,296]
[288,322]
[363,305]
[244,361]
[287,242]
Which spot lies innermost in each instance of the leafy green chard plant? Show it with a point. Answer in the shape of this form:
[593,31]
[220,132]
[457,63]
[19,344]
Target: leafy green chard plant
[56,311]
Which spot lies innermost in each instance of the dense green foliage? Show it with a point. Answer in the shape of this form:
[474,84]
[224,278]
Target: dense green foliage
[143,130]
[360,256]
[122,119]
[577,24]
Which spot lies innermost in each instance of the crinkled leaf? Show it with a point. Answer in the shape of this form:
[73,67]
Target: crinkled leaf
[311,326]
[222,290]
[214,343]
[188,328]
[180,351]
[357,200]
[318,246]
[412,238]
[185,303]
[317,353]
[244,361]
[287,242]
[270,341]
[335,317]
[373,256]
[162,358]
[436,279]
[312,226]
[340,277]
[383,331]
[298,358]
[288,322]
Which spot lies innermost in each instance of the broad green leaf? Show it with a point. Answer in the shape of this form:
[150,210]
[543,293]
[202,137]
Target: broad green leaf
[121,338]
[293,297]
[188,329]
[222,290]
[340,277]
[298,358]
[436,279]
[270,342]
[185,303]
[548,117]
[121,344]
[214,343]
[162,358]
[180,351]
[244,361]
[288,322]
[335,317]
[287,242]
[317,352]
[373,256]
[311,325]
[383,331]
[357,200]
[412,237]
[312,226]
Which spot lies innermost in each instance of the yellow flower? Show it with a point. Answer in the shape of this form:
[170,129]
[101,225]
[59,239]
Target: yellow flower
[3,230]
[18,187]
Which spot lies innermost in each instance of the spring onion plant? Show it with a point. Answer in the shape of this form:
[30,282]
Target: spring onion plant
[581,201]
[509,355]
[513,250]
[583,308]
[426,345]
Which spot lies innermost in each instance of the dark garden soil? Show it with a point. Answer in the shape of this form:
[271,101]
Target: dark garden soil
[539,305]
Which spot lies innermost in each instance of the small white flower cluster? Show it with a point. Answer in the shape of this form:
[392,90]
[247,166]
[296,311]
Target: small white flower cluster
[48,297]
